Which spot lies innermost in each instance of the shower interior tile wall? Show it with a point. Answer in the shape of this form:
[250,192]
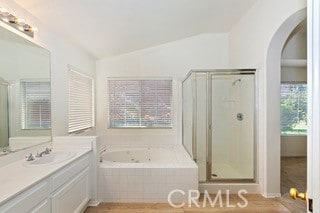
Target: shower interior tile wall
[145,184]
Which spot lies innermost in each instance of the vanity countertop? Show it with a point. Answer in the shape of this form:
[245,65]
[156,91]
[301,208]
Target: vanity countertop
[17,177]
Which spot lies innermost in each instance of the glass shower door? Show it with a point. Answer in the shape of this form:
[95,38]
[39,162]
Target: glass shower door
[232,127]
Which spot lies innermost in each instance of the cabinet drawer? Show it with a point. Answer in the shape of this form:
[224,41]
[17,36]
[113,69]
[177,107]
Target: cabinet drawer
[69,172]
[32,200]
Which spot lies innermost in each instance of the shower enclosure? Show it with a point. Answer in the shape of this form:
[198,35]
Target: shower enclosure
[219,124]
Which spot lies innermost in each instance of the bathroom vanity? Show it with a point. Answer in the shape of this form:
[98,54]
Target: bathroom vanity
[62,186]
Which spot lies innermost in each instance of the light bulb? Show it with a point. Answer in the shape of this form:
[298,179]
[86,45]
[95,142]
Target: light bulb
[27,28]
[20,21]
[34,29]
[4,12]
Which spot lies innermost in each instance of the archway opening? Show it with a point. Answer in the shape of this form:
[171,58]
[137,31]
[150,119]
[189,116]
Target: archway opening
[293,116]
[273,85]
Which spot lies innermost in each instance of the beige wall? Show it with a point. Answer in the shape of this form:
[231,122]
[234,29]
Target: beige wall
[293,146]
[295,48]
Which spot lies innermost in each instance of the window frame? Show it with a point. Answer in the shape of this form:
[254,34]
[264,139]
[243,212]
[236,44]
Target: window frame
[140,79]
[291,135]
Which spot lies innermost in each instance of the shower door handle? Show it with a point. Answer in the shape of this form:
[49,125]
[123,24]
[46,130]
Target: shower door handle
[210,126]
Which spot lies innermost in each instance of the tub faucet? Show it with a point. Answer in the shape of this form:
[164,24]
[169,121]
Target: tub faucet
[102,150]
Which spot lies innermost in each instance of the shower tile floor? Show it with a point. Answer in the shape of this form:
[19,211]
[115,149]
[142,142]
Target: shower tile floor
[293,174]
[222,170]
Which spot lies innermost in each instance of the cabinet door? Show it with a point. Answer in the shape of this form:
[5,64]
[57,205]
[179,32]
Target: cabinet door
[72,196]
[31,200]
[43,207]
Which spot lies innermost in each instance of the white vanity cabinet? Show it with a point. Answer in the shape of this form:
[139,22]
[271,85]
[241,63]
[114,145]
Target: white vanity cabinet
[35,199]
[71,187]
[66,190]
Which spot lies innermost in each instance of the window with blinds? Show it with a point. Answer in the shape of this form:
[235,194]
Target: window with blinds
[293,109]
[81,102]
[140,103]
[35,104]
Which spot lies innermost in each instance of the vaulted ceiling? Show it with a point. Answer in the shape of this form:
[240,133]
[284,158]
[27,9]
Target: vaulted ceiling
[106,28]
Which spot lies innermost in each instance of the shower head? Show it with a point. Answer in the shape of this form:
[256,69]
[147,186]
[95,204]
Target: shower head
[234,83]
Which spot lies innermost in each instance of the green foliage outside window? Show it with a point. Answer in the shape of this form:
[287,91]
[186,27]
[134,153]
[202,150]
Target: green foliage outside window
[293,109]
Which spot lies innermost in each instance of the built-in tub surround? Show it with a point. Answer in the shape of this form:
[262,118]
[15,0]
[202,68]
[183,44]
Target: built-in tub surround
[144,180]
[139,155]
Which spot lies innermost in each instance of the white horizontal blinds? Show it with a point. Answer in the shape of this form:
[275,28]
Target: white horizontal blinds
[140,103]
[124,99]
[35,104]
[156,99]
[81,102]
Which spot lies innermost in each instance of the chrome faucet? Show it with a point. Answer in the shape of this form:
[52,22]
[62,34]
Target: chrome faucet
[45,152]
[6,150]
[30,157]
[38,155]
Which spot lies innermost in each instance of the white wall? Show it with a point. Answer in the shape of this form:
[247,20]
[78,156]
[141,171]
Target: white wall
[62,53]
[174,60]
[295,48]
[249,44]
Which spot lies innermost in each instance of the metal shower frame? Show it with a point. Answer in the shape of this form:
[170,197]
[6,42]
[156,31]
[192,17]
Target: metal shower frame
[209,73]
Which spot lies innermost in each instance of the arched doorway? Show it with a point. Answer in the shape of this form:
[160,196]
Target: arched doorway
[273,81]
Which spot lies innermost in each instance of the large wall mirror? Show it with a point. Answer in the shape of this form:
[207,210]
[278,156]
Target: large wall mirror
[25,103]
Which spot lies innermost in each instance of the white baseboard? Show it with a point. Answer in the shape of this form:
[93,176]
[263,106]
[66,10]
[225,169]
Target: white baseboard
[251,188]
[271,195]
[94,203]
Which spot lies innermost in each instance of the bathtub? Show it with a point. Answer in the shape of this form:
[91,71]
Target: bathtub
[139,155]
[145,174]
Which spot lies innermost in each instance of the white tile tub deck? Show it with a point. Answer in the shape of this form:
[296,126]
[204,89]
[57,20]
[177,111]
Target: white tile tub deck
[147,182]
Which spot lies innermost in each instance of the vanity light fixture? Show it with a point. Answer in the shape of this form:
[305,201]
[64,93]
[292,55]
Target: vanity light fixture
[4,12]
[20,21]
[17,23]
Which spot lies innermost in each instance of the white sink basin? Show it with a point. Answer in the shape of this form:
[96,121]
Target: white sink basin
[52,158]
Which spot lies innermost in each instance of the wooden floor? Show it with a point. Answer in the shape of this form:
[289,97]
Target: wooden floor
[293,174]
[256,203]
